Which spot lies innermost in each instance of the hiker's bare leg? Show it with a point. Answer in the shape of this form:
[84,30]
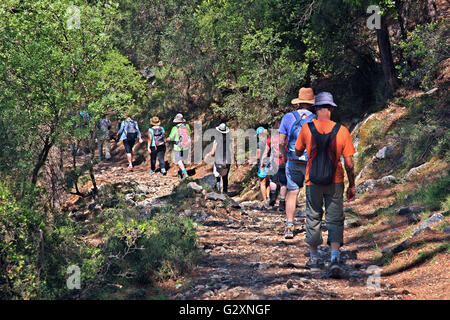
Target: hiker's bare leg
[130,158]
[273,186]
[181,165]
[291,204]
[263,188]
[283,191]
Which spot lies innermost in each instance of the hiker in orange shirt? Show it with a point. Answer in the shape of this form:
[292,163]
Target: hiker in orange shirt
[325,142]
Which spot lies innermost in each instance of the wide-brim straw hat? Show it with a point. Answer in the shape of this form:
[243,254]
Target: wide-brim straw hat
[324,98]
[222,128]
[179,118]
[155,121]
[305,95]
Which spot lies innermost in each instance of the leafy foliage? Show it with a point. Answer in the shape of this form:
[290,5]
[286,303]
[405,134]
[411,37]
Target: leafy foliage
[426,47]
[34,256]
[49,70]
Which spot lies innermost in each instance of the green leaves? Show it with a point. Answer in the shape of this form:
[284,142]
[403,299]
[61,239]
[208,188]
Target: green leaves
[255,65]
[49,68]
[425,48]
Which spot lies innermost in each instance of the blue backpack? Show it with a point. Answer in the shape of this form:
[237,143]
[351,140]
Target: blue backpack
[86,117]
[300,119]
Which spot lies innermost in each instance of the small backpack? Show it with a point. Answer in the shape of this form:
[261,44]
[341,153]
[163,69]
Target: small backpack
[222,168]
[104,125]
[158,136]
[300,119]
[184,137]
[85,118]
[131,128]
[322,160]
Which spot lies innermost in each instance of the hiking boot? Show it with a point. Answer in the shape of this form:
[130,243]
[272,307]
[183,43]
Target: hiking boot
[335,269]
[282,205]
[130,167]
[151,172]
[314,264]
[273,198]
[163,172]
[289,233]
[185,175]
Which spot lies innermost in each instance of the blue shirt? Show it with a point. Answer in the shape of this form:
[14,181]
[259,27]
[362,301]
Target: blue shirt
[286,125]
[289,119]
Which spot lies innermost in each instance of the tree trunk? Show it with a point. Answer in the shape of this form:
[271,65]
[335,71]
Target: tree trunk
[387,63]
[189,99]
[402,15]
[74,165]
[91,174]
[41,160]
[401,19]
[91,144]
[432,9]
[309,72]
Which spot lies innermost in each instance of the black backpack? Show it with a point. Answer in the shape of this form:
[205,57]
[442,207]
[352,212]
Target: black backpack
[158,136]
[221,163]
[322,159]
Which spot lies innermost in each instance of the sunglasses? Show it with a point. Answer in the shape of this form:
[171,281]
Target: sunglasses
[325,106]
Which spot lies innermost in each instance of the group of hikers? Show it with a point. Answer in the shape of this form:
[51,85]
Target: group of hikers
[129,133]
[306,149]
[311,146]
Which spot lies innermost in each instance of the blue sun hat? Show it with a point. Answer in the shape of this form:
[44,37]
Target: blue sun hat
[324,98]
[259,130]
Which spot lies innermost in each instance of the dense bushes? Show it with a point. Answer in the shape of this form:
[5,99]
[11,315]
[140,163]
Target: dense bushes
[38,245]
[426,47]
[19,246]
[140,250]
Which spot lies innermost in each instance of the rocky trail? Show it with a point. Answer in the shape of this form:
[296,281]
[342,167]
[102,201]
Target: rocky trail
[245,255]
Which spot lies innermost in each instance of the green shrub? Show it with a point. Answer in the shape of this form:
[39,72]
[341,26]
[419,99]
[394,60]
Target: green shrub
[19,243]
[417,141]
[38,245]
[143,250]
[36,248]
[425,48]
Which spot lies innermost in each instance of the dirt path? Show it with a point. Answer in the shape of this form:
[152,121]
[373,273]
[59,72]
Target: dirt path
[247,257]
